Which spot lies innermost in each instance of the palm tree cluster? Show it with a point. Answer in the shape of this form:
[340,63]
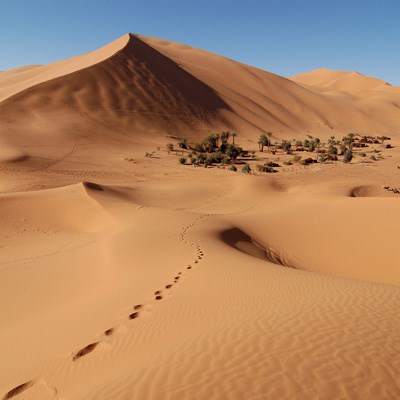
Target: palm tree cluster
[220,148]
[215,149]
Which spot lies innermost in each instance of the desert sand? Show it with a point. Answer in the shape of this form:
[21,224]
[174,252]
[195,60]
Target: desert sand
[131,277]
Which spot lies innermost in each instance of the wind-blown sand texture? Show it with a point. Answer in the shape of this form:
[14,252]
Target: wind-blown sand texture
[128,277]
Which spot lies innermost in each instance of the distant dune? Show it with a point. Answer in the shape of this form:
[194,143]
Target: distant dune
[352,83]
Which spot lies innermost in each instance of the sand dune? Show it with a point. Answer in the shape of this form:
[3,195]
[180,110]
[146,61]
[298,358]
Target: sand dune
[155,87]
[353,83]
[131,277]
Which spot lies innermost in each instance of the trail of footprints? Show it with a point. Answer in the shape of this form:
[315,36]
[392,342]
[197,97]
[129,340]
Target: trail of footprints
[158,294]
[136,309]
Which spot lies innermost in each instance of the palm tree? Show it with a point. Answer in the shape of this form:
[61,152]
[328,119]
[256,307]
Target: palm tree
[210,143]
[350,137]
[269,134]
[263,141]
[233,134]
[233,151]
[217,137]
[225,136]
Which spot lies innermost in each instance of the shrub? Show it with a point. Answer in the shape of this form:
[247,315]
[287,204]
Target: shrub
[246,169]
[265,168]
[182,144]
[233,168]
[296,159]
[200,158]
[383,138]
[210,143]
[233,151]
[209,160]
[308,161]
[170,147]
[198,148]
[182,160]
[309,145]
[225,159]
[288,162]
[216,157]
[286,145]
[348,155]
[332,149]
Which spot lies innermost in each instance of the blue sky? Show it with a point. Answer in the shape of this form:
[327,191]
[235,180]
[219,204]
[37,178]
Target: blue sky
[282,36]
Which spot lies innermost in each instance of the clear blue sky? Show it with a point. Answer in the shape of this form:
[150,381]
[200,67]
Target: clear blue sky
[282,36]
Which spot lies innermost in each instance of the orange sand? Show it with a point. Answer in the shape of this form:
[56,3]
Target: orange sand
[127,277]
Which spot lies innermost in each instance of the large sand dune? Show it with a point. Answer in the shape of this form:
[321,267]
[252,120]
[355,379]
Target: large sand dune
[151,86]
[130,277]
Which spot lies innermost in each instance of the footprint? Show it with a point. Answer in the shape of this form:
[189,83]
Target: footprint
[138,307]
[157,292]
[109,332]
[18,389]
[196,262]
[86,350]
[168,286]
[134,315]
[158,297]
[189,267]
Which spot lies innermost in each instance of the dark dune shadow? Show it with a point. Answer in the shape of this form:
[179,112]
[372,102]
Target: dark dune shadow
[17,390]
[241,241]
[238,239]
[93,186]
